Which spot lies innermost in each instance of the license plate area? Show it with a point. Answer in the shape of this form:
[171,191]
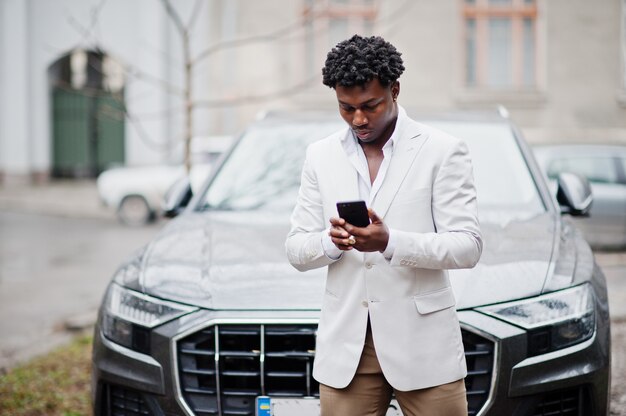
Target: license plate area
[279,406]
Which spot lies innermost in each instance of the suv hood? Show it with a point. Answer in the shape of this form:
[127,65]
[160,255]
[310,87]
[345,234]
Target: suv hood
[236,260]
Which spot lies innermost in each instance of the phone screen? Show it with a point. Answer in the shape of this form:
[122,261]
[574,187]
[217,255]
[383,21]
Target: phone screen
[354,212]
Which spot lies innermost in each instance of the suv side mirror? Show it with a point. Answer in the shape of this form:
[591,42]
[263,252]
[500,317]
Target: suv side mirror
[574,194]
[176,198]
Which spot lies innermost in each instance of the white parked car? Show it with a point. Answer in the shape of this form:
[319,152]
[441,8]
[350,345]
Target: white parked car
[136,192]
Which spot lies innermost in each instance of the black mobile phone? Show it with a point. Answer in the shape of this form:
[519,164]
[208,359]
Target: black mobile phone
[354,212]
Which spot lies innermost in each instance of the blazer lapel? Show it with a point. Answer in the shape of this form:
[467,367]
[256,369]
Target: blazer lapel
[406,149]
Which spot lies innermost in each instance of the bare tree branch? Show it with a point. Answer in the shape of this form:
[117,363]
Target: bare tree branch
[188,79]
[95,16]
[118,113]
[144,76]
[159,115]
[277,34]
[87,32]
[292,90]
[234,43]
[143,135]
[194,15]
[132,72]
[81,29]
[292,32]
[175,17]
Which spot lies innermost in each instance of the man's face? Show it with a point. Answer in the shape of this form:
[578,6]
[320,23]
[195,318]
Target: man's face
[370,110]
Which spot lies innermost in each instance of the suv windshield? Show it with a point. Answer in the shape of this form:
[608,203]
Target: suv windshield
[263,171]
[503,181]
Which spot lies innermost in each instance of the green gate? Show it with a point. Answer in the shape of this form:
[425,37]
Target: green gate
[88,132]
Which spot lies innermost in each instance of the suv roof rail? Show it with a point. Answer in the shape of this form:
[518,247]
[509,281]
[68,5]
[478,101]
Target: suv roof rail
[262,115]
[504,113]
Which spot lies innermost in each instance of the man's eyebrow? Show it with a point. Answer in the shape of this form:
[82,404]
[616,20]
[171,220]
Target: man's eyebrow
[368,102]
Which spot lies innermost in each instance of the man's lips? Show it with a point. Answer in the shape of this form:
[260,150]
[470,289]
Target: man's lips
[362,134]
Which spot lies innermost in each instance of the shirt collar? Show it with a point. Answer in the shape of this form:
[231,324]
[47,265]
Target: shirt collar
[350,145]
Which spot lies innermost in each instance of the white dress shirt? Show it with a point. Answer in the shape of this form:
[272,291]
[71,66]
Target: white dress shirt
[367,189]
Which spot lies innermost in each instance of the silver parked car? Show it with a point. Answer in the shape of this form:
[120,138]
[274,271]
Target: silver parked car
[210,319]
[605,168]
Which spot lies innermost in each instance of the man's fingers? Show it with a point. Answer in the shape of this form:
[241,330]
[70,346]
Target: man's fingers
[373,216]
[348,227]
[338,233]
[337,222]
[341,243]
[356,231]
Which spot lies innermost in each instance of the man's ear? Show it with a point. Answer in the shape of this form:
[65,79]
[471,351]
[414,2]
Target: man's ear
[395,90]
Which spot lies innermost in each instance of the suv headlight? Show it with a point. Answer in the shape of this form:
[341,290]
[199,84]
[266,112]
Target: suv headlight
[128,316]
[554,321]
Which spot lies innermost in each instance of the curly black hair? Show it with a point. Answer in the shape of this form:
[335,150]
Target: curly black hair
[360,59]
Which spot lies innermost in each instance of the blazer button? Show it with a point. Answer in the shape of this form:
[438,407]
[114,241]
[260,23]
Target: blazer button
[364,303]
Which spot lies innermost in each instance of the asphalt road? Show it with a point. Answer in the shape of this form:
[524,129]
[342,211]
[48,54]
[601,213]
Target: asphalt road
[54,270]
[53,273]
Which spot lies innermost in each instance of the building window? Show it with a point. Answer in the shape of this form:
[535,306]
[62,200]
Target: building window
[500,43]
[328,22]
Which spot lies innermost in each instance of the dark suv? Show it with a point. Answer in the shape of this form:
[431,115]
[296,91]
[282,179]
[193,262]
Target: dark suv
[210,319]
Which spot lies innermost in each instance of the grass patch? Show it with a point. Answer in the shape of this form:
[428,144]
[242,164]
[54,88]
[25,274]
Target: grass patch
[55,384]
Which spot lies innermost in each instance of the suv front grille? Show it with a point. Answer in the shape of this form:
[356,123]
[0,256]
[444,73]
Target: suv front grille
[479,357]
[223,368]
[241,362]
[120,401]
[571,402]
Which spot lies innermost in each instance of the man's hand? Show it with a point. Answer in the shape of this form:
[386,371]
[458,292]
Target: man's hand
[374,237]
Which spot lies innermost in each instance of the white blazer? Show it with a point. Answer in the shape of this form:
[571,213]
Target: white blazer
[428,199]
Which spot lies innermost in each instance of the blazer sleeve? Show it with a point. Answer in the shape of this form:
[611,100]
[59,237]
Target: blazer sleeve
[456,242]
[304,241]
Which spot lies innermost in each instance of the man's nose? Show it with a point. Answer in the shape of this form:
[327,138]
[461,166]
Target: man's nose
[359,118]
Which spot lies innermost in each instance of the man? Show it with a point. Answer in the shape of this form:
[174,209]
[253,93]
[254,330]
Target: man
[388,322]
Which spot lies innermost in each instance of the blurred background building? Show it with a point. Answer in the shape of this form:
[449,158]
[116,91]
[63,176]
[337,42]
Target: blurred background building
[86,84]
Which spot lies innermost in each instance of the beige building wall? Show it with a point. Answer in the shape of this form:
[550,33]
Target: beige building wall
[260,56]
[583,75]
[580,73]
